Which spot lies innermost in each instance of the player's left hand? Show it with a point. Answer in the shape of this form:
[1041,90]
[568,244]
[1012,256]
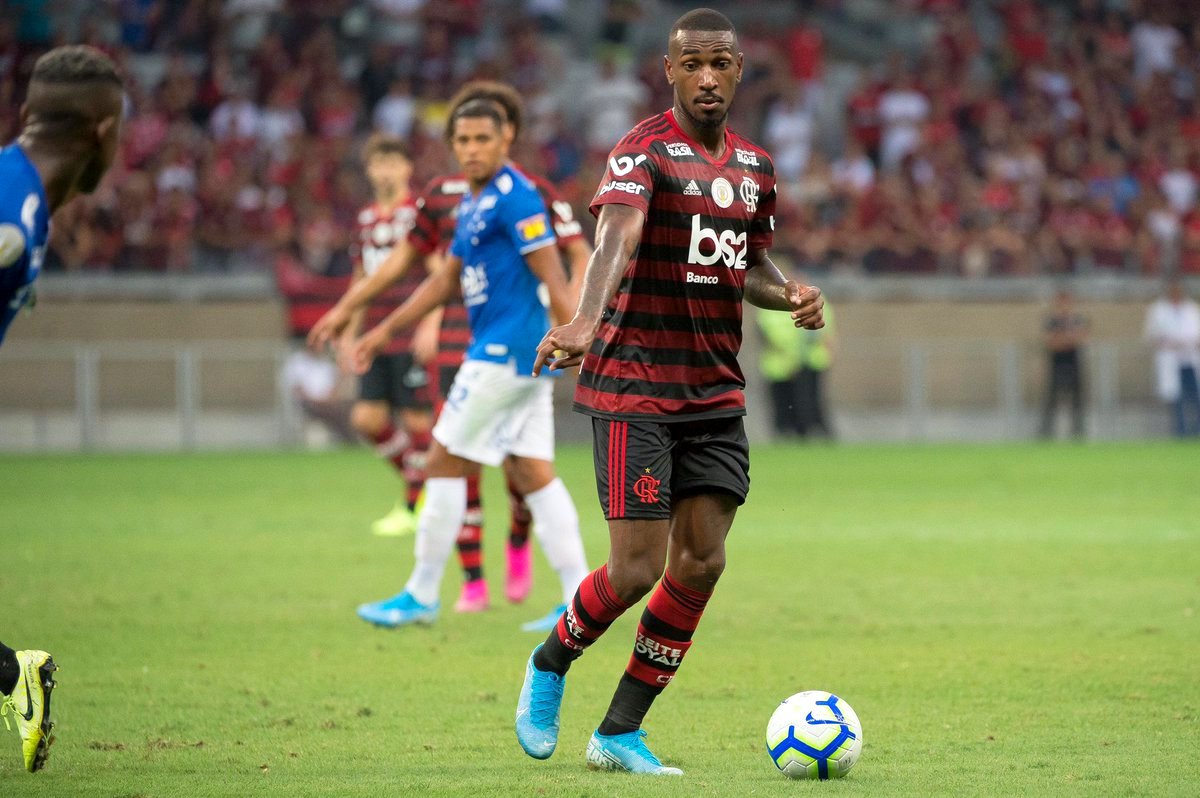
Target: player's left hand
[564,346]
[808,305]
[367,348]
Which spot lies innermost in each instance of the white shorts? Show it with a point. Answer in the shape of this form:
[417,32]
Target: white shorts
[493,412]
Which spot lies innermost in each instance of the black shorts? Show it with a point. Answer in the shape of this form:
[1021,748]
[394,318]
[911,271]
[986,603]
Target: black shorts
[396,379]
[641,465]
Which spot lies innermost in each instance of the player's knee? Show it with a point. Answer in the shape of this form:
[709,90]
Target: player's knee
[368,421]
[633,580]
[700,571]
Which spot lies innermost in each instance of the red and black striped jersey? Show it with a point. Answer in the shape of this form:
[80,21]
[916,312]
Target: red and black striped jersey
[668,341]
[379,230]
[434,228]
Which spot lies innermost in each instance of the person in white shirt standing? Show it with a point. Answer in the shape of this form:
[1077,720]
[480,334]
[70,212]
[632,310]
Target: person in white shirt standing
[1173,329]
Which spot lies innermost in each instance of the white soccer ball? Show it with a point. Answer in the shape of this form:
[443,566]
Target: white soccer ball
[814,735]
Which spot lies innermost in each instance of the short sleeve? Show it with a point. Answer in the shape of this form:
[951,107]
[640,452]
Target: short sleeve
[562,215]
[423,235]
[527,221]
[628,178]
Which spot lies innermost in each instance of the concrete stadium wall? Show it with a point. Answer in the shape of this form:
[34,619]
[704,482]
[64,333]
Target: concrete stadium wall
[906,367]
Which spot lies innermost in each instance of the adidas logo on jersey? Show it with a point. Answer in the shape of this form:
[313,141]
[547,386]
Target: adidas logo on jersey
[692,190]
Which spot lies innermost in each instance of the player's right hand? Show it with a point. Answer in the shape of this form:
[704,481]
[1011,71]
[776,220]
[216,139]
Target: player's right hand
[366,348]
[564,346]
[328,327]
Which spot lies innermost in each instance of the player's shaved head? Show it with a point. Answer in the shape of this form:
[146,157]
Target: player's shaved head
[73,85]
[494,91]
[73,109]
[701,20]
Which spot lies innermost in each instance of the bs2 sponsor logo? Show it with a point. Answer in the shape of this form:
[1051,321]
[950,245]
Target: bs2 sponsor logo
[725,246]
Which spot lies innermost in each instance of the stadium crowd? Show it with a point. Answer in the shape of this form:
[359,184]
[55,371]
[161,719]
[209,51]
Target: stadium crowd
[1019,137]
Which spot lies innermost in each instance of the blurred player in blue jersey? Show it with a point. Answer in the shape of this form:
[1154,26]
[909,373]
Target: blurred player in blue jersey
[70,125]
[502,255]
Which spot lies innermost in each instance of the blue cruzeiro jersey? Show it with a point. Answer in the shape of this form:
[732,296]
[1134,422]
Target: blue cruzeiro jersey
[496,228]
[24,228]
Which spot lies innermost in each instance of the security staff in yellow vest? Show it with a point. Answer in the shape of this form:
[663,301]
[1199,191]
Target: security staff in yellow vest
[794,363]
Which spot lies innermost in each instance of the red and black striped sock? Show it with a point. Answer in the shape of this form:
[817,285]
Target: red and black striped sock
[391,443]
[590,613]
[663,638]
[470,538]
[412,461]
[518,530]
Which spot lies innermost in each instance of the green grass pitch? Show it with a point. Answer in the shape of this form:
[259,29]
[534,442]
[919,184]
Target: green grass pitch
[1006,620]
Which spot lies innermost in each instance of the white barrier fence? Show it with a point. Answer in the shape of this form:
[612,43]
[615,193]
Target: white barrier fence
[95,396]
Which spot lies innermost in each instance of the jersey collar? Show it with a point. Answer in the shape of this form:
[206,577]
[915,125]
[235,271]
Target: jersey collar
[698,147]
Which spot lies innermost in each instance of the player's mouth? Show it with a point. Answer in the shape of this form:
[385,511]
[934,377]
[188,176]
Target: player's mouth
[709,102]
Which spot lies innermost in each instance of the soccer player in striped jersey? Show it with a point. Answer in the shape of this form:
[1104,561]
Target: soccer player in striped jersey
[431,235]
[70,127]
[395,388]
[686,215]
[501,260]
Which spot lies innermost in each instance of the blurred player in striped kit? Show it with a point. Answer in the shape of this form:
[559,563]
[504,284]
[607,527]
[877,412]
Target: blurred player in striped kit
[430,236]
[393,410]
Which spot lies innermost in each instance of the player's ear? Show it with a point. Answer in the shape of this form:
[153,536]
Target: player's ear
[667,70]
[24,114]
[104,127]
[740,63]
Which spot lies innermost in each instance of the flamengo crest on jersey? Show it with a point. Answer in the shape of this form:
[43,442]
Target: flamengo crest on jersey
[668,342]
[24,229]
[496,228]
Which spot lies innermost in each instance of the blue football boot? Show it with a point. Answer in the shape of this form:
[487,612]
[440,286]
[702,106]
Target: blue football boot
[399,610]
[627,752]
[537,710]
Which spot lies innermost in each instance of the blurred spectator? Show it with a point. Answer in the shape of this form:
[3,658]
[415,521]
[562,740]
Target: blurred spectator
[614,102]
[1155,42]
[903,109]
[1173,329]
[1064,333]
[396,111]
[788,132]
[237,120]
[281,119]
[1016,137]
